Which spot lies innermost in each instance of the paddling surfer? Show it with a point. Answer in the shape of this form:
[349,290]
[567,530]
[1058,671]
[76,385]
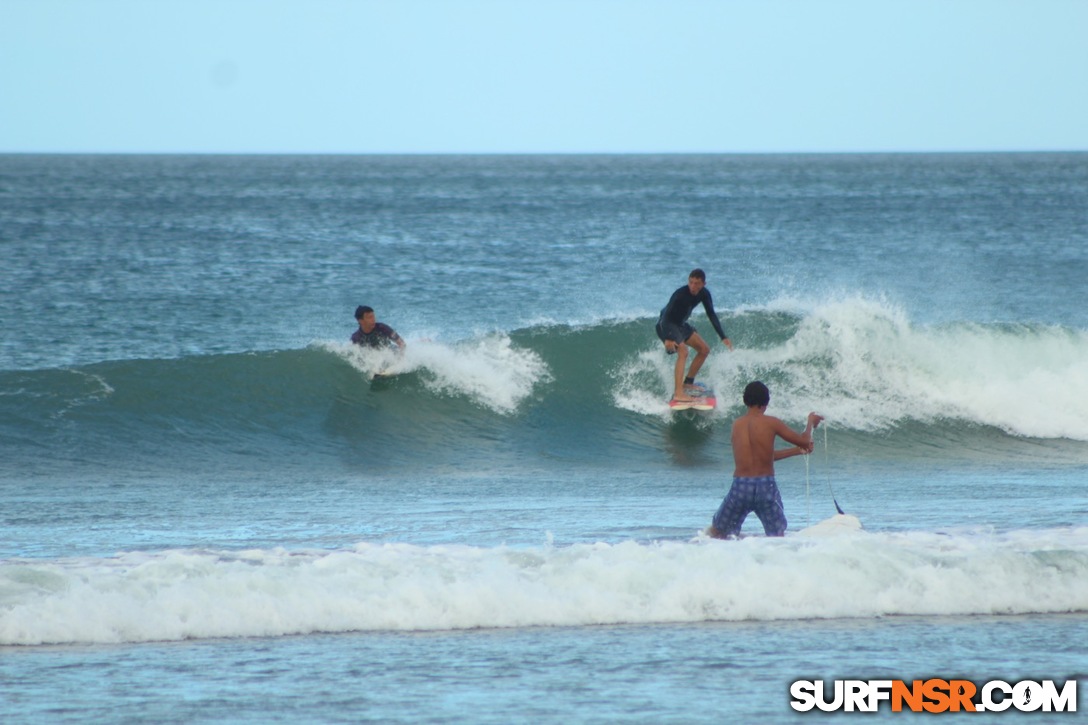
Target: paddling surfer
[754,487]
[678,335]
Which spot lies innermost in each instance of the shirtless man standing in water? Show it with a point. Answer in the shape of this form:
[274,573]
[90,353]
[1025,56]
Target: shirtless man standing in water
[754,487]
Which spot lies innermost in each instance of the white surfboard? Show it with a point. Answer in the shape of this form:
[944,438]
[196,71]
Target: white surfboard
[837,525]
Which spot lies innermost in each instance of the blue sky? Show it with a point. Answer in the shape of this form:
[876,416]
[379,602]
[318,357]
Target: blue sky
[542,76]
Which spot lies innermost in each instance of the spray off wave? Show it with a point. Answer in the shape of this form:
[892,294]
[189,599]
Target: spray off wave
[487,370]
[194,594]
[867,367]
[1027,380]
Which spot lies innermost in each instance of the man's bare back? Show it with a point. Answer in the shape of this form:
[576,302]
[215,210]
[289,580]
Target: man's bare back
[753,439]
[754,487]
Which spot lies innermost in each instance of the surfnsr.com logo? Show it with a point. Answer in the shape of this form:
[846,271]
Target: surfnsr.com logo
[934,695]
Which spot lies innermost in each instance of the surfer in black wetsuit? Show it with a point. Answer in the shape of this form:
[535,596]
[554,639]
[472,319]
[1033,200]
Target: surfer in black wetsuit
[677,334]
[372,333]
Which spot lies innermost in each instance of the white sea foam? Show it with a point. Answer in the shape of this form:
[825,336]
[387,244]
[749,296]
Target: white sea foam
[865,365]
[180,594]
[487,369]
[644,384]
[1030,381]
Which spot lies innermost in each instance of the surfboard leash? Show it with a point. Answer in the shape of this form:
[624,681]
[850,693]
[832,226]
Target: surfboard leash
[808,495]
[827,467]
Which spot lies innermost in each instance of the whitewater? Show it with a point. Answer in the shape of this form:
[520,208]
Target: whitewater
[193,594]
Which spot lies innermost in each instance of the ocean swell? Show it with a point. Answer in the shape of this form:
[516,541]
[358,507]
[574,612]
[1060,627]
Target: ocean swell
[587,392]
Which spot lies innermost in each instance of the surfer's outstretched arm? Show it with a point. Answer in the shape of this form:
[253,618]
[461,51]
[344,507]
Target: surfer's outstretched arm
[789,452]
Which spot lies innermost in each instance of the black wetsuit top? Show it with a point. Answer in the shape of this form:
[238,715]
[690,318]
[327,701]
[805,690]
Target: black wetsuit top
[380,336]
[683,302]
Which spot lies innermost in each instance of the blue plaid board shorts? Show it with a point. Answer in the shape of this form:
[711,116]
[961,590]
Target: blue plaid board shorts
[758,494]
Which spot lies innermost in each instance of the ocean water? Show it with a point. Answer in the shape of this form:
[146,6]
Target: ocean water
[211,511]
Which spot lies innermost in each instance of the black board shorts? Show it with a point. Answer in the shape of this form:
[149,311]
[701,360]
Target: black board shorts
[671,331]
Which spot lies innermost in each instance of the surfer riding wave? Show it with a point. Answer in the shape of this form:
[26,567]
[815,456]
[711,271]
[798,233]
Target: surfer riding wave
[673,330]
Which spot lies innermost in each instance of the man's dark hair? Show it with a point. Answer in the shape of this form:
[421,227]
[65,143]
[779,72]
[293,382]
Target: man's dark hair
[362,310]
[756,394]
[697,274]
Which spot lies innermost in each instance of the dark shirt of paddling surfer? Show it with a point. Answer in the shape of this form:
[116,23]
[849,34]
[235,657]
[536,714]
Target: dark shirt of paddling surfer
[372,333]
[754,487]
[679,336]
